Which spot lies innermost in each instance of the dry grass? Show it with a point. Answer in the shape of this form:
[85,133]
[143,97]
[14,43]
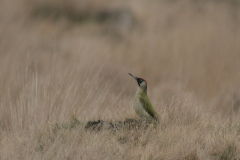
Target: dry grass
[63,63]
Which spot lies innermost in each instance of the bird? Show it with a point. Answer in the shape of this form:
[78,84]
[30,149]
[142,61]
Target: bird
[142,104]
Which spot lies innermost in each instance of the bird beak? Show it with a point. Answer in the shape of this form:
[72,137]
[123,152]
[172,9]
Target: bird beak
[133,76]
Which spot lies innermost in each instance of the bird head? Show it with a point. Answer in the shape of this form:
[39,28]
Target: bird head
[141,82]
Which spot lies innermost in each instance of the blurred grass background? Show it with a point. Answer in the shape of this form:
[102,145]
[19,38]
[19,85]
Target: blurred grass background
[61,58]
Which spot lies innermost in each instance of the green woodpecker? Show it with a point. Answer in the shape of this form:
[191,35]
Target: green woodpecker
[142,104]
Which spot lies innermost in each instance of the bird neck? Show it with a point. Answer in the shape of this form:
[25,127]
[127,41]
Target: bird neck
[142,90]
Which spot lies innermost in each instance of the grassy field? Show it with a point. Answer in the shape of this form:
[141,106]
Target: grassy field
[64,63]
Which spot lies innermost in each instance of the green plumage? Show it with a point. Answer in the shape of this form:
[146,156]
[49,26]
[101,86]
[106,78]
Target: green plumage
[143,105]
[148,107]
